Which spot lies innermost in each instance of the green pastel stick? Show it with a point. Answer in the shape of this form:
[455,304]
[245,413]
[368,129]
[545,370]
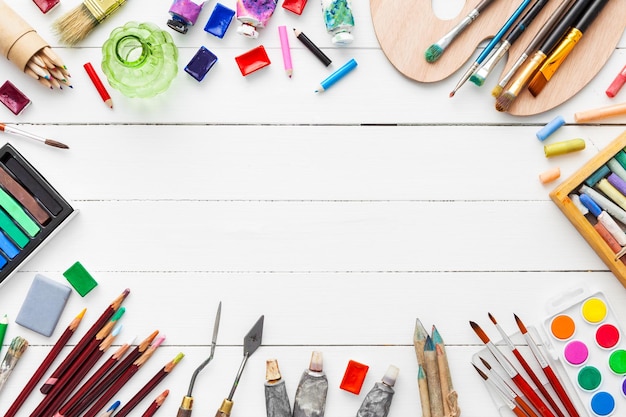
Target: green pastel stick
[14,232]
[17,212]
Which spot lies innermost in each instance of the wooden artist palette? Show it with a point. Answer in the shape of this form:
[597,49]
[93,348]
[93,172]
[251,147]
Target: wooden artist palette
[406,28]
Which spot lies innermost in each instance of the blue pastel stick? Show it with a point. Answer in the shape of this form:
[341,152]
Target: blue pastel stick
[337,75]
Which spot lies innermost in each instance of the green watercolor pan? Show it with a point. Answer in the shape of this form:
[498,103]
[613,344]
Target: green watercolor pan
[31,211]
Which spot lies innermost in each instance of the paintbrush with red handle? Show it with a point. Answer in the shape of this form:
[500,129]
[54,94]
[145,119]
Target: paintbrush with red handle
[505,395]
[533,376]
[515,376]
[548,371]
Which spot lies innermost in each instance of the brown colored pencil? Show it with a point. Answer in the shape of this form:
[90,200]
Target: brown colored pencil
[122,380]
[101,386]
[76,372]
[149,386]
[84,342]
[114,359]
[154,406]
[45,364]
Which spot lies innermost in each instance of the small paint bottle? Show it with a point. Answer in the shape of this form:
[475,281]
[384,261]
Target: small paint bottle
[377,402]
[339,20]
[254,14]
[310,400]
[276,398]
[184,14]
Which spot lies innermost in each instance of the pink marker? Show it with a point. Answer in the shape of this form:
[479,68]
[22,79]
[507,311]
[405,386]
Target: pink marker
[284,46]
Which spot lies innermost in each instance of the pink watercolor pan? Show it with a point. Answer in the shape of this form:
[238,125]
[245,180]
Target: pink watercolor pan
[584,334]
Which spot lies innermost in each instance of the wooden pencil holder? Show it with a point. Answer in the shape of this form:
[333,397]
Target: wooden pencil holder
[19,42]
[561,197]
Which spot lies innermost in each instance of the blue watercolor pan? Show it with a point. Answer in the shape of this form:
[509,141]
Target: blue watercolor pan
[219,20]
[16,244]
[201,63]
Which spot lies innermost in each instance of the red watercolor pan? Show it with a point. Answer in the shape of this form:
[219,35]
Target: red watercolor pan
[253,60]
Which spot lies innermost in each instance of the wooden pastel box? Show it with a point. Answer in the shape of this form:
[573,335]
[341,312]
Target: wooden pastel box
[587,181]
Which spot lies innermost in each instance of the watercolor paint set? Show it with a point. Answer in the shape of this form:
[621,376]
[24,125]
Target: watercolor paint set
[594,201]
[584,334]
[31,211]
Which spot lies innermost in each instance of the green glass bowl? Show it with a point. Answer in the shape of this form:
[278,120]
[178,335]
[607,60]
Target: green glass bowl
[140,59]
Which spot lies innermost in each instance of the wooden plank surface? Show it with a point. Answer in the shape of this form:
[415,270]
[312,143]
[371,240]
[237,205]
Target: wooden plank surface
[342,217]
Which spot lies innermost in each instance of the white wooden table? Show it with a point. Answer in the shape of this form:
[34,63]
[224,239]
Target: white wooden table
[342,216]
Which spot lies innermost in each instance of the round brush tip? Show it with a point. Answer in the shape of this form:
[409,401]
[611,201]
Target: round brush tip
[433,53]
[497,90]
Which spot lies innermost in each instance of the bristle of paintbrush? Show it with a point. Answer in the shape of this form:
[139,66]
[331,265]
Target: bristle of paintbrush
[521,325]
[75,25]
[433,53]
[483,336]
[56,144]
[481,373]
[504,101]
[497,90]
[485,363]
[17,347]
[492,318]
[537,84]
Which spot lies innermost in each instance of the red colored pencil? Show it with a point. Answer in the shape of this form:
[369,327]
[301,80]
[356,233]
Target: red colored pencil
[548,371]
[154,406]
[150,385]
[93,76]
[70,380]
[533,376]
[122,380]
[100,373]
[101,386]
[84,342]
[45,364]
[517,378]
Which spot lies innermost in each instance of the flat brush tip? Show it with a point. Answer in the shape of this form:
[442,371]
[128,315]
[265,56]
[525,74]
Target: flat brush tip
[477,79]
[537,84]
[56,144]
[433,53]
[497,90]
